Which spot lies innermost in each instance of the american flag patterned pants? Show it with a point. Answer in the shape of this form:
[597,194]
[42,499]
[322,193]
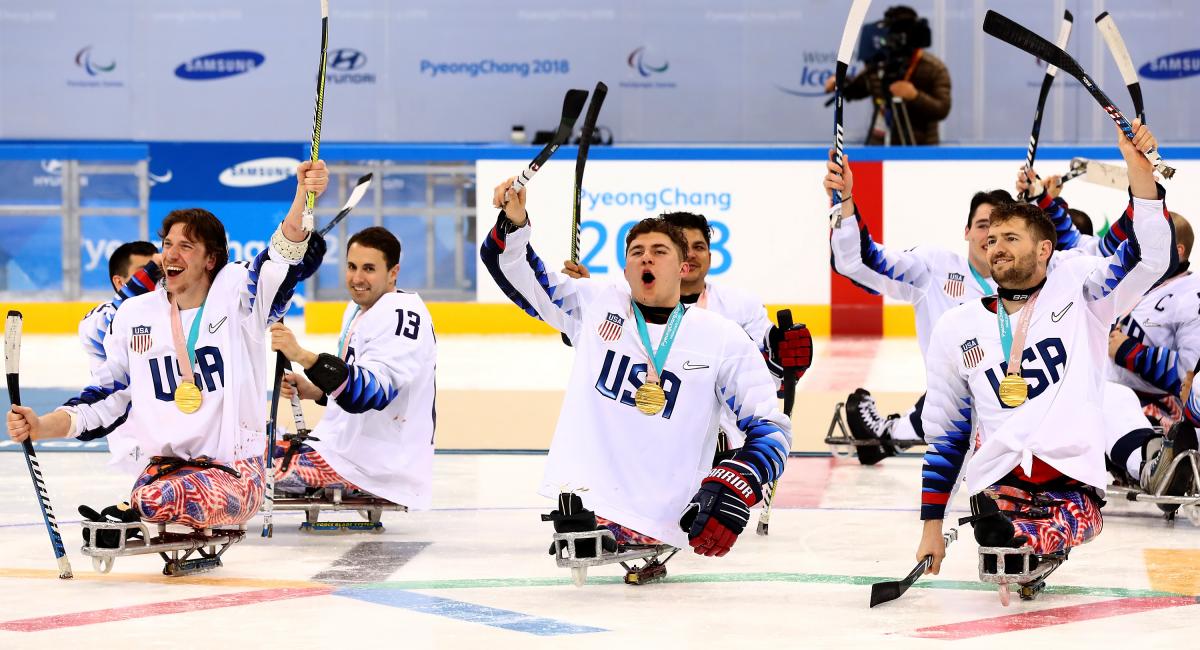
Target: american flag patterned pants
[1069,518]
[200,498]
[307,470]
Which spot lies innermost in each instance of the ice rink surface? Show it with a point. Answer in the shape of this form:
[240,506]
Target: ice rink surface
[474,571]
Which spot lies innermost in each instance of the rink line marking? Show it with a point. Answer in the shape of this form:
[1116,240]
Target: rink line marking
[467,612]
[520,583]
[147,610]
[1173,569]
[1048,617]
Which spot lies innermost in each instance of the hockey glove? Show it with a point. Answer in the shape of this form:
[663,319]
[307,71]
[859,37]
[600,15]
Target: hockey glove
[719,511]
[791,350]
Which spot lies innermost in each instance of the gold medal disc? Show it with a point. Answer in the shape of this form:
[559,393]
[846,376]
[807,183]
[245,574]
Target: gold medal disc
[1013,390]
[187,397]
[650,398]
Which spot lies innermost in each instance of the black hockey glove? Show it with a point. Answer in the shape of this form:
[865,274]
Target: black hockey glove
[719,511]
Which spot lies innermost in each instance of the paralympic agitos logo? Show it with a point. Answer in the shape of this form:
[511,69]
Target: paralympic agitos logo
[83,59]
[637,61]
[219,65]
[1172,66]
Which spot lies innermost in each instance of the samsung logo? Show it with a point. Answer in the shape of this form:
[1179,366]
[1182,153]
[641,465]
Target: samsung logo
[1173,66]
[258,172]
[219,65]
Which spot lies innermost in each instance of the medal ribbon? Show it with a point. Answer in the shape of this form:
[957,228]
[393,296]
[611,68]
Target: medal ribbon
[344,339]
[983,284]
[1014,345]
[658,358]
[185,354]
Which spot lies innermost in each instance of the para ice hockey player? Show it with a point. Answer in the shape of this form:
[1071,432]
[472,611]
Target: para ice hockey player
[376,434]
[639,421]
[133,269]
[1015,381]
[183,370]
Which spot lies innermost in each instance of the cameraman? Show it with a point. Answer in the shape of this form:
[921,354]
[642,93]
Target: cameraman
[899,67]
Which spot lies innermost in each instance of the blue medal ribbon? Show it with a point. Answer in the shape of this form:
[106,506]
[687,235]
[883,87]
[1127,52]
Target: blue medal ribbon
[659,357]
[983,284]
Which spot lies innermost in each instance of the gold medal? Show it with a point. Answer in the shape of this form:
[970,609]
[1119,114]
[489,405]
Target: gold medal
[187,397]
[1013,390]
[650,398]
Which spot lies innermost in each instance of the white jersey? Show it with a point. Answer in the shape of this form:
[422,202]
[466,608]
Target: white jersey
[377,430]
[750,315]
[1063,362]
[1164,329]
[638,470]
[135,386]
[933,279]
[94,326]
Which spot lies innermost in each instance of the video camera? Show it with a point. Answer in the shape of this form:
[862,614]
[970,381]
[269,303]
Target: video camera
[888,44]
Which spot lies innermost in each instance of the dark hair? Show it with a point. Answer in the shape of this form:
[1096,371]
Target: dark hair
[659,224]
[381,239]
[685,220]
[1083,223]
[992,198]
[1183,234]
[1035,220]
[120,260]
[202,226]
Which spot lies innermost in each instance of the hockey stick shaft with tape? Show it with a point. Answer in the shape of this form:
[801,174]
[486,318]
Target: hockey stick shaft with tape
[854,22]
[585,143]
[310,199]
[1064,34]
[12,371]
[572,106]
[281,363]
[1120,53]
[1005,29]
[784,318]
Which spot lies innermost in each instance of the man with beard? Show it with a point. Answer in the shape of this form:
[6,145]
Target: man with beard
[650,378]
[1015,381]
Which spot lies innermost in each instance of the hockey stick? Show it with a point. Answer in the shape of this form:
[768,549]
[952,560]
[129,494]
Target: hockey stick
[1064,33]
[854,21]
[784,318]
[572,106]
[356,194]
[268,529]
[1098,173]
[1116,45]
[585,143]
[295,439]
[12,372]
[883,592]
[310,199]
[1005,29]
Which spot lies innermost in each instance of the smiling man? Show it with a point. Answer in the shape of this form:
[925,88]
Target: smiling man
[1016,381]
[638,425]
[377,431]
[183,370]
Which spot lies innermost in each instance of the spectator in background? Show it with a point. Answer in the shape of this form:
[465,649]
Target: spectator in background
[897,65]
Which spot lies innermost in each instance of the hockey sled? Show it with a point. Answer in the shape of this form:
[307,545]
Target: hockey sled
[332,500]
[1006,566]
[183,553]
[653,570]
[1189,504]
[842,444]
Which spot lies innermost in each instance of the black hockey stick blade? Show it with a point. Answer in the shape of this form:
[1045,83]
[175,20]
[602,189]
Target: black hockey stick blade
[883,592]
[1007,30]
[360,190]
[572,106]
[784,318]
[1064,34]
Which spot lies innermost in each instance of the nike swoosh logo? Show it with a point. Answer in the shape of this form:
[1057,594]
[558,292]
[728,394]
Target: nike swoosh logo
[212,329]
[1057,316]
[688,365]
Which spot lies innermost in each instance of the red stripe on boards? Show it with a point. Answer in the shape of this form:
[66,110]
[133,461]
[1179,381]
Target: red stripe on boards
[853,311]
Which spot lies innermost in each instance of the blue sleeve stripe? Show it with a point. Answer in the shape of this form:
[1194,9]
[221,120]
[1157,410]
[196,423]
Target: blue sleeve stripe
[364,392]
[489,253]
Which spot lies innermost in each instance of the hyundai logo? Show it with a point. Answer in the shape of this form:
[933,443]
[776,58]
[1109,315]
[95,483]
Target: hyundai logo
[346,59]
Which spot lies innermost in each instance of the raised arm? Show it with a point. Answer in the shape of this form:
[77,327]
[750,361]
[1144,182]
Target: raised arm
[552,297]
[898,274]
[1145,256]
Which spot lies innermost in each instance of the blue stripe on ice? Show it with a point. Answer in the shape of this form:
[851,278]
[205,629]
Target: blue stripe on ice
[467,612]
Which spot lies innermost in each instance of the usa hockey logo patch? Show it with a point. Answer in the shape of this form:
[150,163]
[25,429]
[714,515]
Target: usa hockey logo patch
[972,353]
[954,285]
[139,340]
[610,329]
